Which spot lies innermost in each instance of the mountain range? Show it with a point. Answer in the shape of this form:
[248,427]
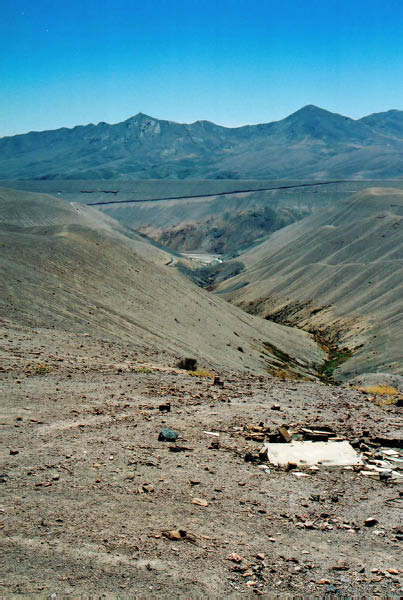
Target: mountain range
[312,143]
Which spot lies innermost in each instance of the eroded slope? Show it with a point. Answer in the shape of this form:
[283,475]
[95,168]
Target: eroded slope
[80,275]
[338,273]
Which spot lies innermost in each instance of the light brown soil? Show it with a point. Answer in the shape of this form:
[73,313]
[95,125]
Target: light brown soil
[88,490]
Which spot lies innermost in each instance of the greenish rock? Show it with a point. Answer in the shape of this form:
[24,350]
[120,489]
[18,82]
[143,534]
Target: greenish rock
[167,435]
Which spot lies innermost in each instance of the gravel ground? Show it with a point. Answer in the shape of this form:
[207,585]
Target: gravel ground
[92,501]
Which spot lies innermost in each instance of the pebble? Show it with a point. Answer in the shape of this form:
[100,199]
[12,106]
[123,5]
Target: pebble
[235,557]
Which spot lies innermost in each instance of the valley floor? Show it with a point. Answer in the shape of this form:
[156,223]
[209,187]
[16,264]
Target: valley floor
[89,493]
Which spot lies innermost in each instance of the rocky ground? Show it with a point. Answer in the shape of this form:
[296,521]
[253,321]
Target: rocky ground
[93,503]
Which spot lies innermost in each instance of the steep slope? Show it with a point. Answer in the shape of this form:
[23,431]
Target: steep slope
[71,268]
[339,274]
[311,143]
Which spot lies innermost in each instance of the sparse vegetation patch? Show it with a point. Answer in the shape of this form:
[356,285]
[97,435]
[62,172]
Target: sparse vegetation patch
[201,373]
[384,390]
[329,341]
[145,370]
[287,365]
[39,369]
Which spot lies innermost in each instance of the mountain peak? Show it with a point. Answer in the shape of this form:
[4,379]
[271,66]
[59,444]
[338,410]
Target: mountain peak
[140,117]
[312,107]
[310,110]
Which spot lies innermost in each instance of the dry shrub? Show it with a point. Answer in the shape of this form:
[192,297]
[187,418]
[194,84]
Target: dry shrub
[384,390]
[383,395]
[145,370]
[38,369]
[385,400]
[201,373]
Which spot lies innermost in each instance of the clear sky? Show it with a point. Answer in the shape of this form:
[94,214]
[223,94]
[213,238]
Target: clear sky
[64,63]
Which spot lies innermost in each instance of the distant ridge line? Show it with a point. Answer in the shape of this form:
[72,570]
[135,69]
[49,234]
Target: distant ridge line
[265,189]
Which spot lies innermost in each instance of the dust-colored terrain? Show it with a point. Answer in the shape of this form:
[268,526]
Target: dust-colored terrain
[93,322]
[68,267]
[89,494]
[221,216]
[338,274]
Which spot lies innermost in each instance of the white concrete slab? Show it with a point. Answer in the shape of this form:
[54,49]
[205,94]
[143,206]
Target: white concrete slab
[313,453]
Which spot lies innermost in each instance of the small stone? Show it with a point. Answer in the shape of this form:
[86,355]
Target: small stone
[200,502]
[235,558]
[218,382]
[370,522]
[341,566]
[174,534]
[147,487]
[13,451]
[167,435]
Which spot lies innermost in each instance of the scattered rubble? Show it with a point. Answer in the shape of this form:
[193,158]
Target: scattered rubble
[258,528]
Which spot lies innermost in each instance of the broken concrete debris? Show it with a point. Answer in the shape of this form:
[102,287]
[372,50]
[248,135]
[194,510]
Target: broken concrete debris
[302,446]
[284,434]
[312,453]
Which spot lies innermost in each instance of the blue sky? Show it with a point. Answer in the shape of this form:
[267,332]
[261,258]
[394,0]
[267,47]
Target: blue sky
[228,61]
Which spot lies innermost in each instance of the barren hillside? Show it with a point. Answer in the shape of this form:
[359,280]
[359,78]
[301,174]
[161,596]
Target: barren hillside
[68,267]
[339,274]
